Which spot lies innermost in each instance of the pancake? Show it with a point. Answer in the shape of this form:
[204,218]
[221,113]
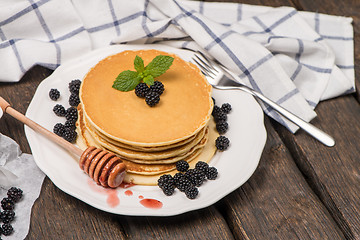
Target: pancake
[85,139]
[184,109]
[141,174]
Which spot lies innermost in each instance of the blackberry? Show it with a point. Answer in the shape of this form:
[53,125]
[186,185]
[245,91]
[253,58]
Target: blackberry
[168,189]
[70,124]
[152,98]
[222,127]
[220,116]
[182,166]
[7,229]
[215,111]
[59,129]
[182,183]
[191,192]
[69,135]
[202,166]
[157,87]
[59,110]
[74,86]
[165,179]
[195,176]
[54,94]
[177,177]
[222,143]
[226,108]
[71,114]
[141,90]
[212,173]
[7,216]
[15,194]
[74,100]
[7,204]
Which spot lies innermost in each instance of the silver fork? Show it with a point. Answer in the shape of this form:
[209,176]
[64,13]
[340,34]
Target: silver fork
[215,73]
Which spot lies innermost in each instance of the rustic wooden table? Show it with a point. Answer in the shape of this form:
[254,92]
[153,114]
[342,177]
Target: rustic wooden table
[300,190]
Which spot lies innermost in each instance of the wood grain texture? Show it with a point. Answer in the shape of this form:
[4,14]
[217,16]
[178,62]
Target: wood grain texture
[333,173]
[277,202]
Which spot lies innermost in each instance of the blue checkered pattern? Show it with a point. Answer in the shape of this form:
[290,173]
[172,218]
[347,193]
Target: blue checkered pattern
[295,58]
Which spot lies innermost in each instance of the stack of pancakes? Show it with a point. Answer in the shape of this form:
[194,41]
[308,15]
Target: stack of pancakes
[149,140]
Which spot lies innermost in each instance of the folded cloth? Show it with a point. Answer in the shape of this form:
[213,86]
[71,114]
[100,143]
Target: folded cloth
[19,170]
[295,58]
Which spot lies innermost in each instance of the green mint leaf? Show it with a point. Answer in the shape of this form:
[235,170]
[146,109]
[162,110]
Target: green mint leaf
[159,65]
[126,81]
[149,80]
[139,64]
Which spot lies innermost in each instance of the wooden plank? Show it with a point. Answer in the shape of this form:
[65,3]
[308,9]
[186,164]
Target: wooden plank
[333,173]
[276,202]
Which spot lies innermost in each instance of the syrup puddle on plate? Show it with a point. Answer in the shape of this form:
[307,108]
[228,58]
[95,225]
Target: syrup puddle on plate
[113,199]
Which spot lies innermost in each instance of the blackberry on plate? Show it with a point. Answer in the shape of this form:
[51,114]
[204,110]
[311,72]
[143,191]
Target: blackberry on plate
[152,98]
[202,166]
[157,87]
[15,194]
[7,204]
[182,183]
[59,110]
[222,143]
[182,166]
[141,90]
[7,216]
[69,135]
[212,173]
[7,229]
[222,127]
[59,129]
[195,176]
[74,86]
[70,124]
[191,192]
[74,100]
[215,111]
[168,189]
[71,114]
[220,116]
[226,108]
[165,179]
[54,94]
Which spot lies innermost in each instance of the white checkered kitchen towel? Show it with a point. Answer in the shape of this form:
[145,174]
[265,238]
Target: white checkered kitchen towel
[295,58]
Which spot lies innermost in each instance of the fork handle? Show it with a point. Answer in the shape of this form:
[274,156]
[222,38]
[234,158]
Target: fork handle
[307,127]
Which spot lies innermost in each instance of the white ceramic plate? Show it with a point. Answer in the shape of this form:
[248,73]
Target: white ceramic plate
[235,166]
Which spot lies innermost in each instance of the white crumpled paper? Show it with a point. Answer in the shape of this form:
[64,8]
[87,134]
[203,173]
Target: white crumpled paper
[19,170]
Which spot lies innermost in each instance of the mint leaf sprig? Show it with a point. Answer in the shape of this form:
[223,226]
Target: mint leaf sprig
[128,80]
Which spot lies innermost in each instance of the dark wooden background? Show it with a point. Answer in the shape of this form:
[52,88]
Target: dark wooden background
[301,189]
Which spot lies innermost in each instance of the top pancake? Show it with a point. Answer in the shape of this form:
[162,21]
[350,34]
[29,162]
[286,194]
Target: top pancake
[184,109]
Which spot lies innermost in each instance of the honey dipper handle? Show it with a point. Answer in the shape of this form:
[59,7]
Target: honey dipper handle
[5,106]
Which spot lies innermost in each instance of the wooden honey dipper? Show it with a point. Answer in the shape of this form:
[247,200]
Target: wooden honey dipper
[105,168]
